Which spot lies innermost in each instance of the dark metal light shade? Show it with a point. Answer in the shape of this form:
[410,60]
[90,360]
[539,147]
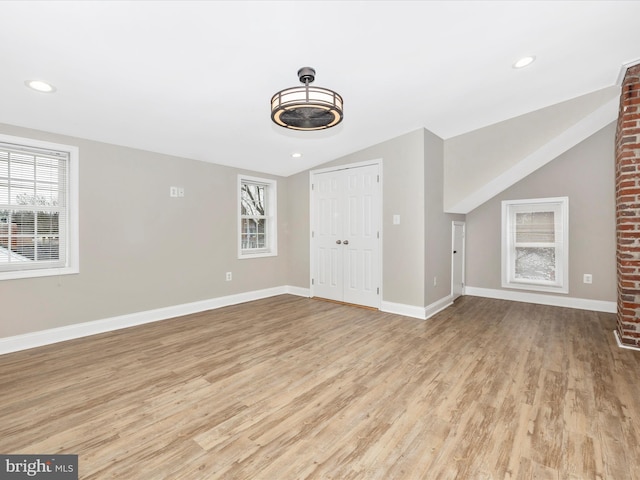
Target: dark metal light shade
[306,108]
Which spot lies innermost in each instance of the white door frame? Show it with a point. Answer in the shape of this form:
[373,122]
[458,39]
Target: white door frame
[455,224]
[312,174]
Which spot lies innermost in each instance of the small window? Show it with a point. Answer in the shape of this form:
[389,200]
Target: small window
[257,217]
[38,208]
[535,244]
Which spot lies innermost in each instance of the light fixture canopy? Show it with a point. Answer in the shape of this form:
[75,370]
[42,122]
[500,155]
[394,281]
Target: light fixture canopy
[306,108]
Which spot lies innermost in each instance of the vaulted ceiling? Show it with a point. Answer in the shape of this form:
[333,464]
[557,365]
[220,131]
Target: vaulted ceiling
[194,79]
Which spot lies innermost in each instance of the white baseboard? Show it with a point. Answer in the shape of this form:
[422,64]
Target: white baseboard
[299,291]
[438,306]
[622,345]
[556,301]
[403,309]
[70,332]
[413,311]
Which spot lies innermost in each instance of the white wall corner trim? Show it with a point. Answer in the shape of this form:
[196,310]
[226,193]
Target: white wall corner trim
[542,299]
[70,332]
[622,345]
[438,306]
[421,313]
[591,124]
[623,70]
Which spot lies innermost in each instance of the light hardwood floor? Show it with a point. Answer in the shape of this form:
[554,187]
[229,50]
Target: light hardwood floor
[293,388]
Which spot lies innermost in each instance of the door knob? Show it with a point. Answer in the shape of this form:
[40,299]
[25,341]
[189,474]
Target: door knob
[455,251]
[338,242]
[346,242]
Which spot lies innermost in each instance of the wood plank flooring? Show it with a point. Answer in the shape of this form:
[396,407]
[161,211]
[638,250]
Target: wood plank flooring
[293,388]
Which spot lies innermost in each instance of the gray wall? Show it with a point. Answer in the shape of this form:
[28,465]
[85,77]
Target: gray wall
[139,248]
[403,194]
[299,230]
[142,250]
[438,225]
[586,175]
[417,249]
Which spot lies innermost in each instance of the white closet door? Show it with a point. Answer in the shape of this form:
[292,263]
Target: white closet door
[327,236]
[346,235]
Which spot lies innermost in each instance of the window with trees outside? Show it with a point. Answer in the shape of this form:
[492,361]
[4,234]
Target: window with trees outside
[38,208]
[257,217]
[535,244]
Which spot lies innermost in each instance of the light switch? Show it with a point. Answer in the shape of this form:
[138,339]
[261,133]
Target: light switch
[396,219]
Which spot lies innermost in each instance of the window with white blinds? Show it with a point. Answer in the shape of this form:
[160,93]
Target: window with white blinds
[37,220]
[535,244]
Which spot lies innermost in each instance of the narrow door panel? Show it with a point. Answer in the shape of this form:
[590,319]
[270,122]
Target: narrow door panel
[346,235]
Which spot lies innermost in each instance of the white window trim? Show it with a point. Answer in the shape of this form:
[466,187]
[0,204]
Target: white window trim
[272,218]
[561,206]
[72,228]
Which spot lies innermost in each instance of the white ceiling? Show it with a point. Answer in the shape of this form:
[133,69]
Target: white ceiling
[194,79]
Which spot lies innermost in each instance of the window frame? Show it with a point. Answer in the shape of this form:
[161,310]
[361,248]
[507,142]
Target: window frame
[560,207]
[271,224]
[70,228]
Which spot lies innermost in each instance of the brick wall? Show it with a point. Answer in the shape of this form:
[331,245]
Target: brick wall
[628,209]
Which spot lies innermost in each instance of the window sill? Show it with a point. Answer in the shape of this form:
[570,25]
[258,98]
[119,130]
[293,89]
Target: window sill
[259,254]
[40,272]
[536,287]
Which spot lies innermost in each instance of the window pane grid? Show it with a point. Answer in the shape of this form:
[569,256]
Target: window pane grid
[253,234]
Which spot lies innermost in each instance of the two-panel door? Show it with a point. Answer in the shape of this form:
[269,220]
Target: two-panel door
[346,235]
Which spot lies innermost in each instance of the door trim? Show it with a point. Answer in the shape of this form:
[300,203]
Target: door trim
[347,166]
[455,224]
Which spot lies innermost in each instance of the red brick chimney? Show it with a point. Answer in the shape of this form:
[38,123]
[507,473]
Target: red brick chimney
[628,209]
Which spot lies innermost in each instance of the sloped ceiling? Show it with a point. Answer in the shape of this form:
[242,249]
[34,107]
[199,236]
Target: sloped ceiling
[480,164]
[194,79]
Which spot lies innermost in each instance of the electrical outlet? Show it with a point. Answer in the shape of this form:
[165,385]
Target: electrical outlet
[176,192]
[228,277]
[587,278]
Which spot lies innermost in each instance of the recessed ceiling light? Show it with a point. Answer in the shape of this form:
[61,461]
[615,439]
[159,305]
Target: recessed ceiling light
[40,86]
[523,62]
[296,155]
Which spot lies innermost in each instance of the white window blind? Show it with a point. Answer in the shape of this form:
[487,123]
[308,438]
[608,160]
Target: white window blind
[34,208]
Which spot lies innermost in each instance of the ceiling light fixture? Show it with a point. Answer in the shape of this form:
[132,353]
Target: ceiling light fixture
[306,108]
[523,62]
[40,86]
[296,155]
